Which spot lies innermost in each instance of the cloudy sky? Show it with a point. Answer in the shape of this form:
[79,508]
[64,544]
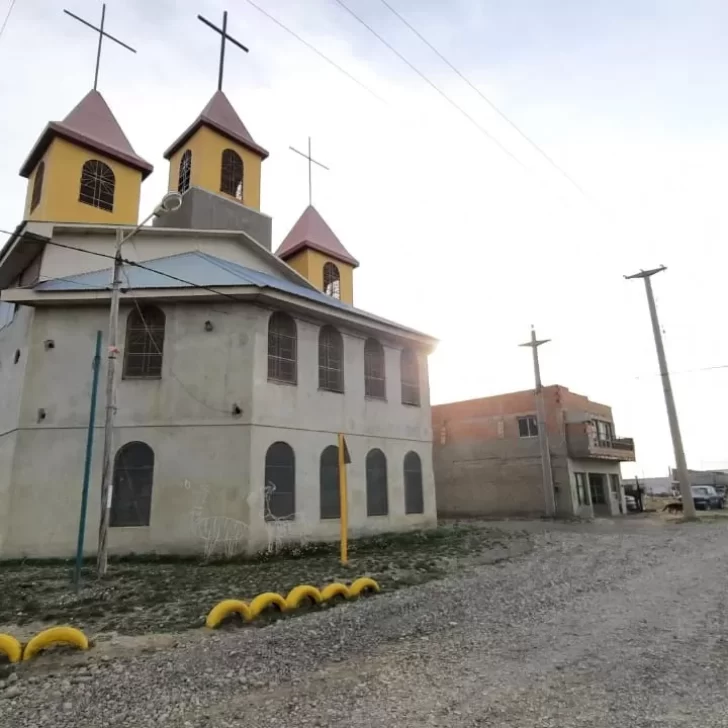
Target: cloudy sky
[455,237]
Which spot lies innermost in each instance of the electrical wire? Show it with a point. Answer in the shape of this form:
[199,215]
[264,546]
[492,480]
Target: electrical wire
[7,17]
[498,111]
[459,108]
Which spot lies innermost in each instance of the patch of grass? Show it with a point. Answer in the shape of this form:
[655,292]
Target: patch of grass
[148,593]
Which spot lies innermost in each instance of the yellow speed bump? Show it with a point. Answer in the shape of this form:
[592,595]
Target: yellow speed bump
[53,636]
[11,647]
[365,584]
[266,600]
[335,590]
[300,593]
[224,609]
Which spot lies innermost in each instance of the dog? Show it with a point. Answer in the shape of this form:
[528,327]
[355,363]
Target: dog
[674,507]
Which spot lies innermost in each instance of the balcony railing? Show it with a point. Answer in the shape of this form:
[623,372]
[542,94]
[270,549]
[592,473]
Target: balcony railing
[587,445]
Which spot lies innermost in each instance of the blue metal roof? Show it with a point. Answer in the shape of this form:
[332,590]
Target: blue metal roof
[195,269]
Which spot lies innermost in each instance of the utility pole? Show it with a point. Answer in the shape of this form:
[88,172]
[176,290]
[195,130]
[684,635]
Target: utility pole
[170,202]
[543,437]
[680,463]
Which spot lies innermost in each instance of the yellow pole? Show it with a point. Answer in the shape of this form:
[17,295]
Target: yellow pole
[344,505]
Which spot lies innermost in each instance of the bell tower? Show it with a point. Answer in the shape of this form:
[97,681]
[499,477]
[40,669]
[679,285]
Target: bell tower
[216,152]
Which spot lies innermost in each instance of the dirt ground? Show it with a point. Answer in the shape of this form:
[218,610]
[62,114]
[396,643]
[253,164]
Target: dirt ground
[163,595]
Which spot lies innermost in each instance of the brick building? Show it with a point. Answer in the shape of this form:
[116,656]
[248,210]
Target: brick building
[487,459]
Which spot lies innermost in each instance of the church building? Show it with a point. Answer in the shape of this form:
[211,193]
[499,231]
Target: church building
[239,361]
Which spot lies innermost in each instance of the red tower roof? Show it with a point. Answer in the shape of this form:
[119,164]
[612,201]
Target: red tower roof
[220,116]
[311,231]
[93,125]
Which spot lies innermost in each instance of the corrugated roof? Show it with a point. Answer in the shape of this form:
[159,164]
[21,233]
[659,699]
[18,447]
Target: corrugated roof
[200,269]
[220,115]
[312,231]
[91,124]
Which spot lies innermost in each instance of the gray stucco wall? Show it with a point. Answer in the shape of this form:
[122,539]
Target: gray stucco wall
[186,418]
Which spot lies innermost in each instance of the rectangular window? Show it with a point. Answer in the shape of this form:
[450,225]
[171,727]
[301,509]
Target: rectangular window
[528,426]
[614,483]
[605,433]
[580,479]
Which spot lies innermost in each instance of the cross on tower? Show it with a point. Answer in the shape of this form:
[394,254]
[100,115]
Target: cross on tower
[102,34]
[311,161]
[223,37]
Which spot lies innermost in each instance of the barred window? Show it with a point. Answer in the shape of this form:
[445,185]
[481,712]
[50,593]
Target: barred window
[280,482]
[413,496]
[97,185]
[329,483]
[282,345]
[410,377]
[331,360]
[332,281]
[37,186]
[185,171]
[376,470]
[144,348]
[231,176]
[131,497]
[375,384]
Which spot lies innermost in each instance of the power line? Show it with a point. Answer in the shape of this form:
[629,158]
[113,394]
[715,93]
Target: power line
[500,113]
[482,129]
[7,17]
[316,51]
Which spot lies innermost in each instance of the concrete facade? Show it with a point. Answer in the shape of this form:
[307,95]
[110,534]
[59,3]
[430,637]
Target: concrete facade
[206,457]
[484,466]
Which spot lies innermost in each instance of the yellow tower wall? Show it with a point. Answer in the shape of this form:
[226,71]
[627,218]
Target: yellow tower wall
[310,264]
[61,184]
[207,147]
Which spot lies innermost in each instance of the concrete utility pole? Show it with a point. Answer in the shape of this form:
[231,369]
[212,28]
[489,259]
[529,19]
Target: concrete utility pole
[680,463]
[543,437]
[170,202]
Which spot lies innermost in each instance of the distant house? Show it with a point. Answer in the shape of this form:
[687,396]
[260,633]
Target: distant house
[487,458]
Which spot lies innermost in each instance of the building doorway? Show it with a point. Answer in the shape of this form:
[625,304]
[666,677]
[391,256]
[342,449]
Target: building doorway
[598,491]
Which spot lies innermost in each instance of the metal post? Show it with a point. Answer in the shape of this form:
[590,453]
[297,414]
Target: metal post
[87,464]
[107,470]
[680,463]
[543,437]
[343,503]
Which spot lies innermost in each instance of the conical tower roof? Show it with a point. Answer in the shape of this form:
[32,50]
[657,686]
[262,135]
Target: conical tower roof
[90,124]
[311,231]
[219,115]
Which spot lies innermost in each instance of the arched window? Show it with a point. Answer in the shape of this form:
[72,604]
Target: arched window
[97,185]
[37,186]
[144,343]
[332,281]
[413,497]
[281,348]
[231,177]
[377,498]
[280,482]
[185,170]
[410,377]
[329,483]
[375,384]
[331,360]
[131,496]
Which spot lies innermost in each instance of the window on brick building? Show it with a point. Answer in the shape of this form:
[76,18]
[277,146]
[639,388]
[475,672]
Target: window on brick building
[580,479]
[528,426]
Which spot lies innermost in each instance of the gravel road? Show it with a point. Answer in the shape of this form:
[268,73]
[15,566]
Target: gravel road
[606,625]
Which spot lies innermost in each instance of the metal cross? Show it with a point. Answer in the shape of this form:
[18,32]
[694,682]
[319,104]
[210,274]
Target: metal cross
[223,37]
[102,34]
[311,161]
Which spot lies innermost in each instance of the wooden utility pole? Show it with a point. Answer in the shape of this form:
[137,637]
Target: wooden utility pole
[677,444]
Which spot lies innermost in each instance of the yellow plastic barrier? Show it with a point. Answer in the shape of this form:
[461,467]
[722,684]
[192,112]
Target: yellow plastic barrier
[363,584]
[334,590]
[264,601]
[300,593]
[11,647]
[224,609]
[52,636]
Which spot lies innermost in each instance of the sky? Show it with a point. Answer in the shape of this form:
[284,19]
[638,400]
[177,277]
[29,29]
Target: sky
[455,237]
